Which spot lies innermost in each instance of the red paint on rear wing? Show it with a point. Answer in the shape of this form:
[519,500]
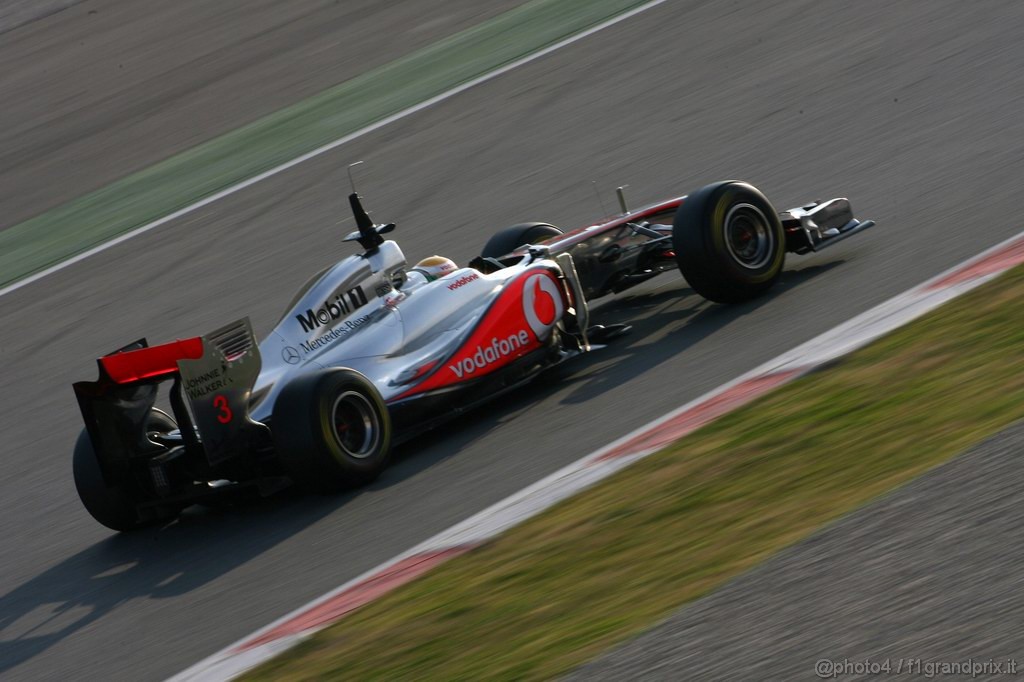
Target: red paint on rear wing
[151,363]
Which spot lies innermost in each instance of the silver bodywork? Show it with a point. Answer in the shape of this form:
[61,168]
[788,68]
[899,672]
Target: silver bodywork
[387,337]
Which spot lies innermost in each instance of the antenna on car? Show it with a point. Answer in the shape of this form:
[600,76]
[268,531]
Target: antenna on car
[621,193]
[351,179]
[368,234]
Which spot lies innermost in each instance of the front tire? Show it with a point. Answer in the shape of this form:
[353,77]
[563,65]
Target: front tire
[332,431]
[729,242]
[112,505]
[511,238]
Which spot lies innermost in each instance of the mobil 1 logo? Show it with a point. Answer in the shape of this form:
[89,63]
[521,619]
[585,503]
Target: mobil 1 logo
[341,305]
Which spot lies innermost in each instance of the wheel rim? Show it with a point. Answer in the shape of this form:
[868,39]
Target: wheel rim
[748,237]
[355,424]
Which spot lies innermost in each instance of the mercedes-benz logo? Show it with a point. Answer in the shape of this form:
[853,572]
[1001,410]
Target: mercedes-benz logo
[290,355]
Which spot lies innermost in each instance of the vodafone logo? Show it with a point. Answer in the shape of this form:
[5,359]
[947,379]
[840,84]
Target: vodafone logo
[502,336]
[463,281]
[542,304]
[496,350]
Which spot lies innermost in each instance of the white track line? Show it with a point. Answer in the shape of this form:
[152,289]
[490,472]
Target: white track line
[233,189]
[296,626]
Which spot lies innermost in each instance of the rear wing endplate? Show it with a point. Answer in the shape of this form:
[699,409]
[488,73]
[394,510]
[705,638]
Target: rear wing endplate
[218,384]
[214,375]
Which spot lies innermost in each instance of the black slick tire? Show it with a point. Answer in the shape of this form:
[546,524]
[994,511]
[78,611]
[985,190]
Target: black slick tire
[112,503]
[729,242]
[332,431]
[511,238]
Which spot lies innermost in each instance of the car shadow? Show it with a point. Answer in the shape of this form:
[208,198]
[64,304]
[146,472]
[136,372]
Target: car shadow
[687,317]
[157,563]
[164,562]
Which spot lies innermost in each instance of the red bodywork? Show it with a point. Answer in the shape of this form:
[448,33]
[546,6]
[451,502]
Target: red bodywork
[517,323]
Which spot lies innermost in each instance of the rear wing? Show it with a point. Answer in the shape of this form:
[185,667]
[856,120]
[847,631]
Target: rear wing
[213,378]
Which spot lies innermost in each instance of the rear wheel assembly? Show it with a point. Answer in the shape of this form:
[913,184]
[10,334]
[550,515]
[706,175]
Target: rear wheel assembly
[113,502]
[332,430]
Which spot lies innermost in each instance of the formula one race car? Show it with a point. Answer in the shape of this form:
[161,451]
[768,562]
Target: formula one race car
[371,352]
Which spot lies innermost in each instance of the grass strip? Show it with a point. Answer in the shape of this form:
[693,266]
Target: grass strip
[567,585]
[183,179]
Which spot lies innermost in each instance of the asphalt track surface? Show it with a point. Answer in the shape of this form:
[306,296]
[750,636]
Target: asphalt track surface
[15,13]
[911,109]
[108,87]
[930,572]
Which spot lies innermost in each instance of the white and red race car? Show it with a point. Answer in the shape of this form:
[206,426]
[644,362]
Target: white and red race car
[369,353]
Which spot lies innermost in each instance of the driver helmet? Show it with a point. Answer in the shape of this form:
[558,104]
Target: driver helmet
[434,267]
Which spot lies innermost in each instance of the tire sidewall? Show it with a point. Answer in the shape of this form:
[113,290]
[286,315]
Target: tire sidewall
[700,242]
[114,506]
[511,238]
[307,448]
[721,199]
[332,385]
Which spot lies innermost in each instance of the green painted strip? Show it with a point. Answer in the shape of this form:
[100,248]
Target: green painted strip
[181,180]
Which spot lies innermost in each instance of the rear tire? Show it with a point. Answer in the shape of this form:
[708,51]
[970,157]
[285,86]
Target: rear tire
[332,431]
[511,238]
[729,242]
[112,505]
